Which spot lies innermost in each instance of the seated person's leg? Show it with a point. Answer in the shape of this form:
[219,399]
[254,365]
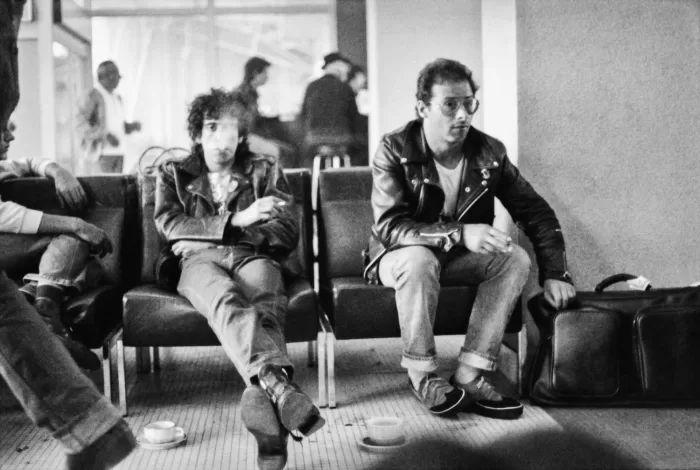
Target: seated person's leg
[501,278]
[257,351]
[414,273]
[62,269]
[53,391]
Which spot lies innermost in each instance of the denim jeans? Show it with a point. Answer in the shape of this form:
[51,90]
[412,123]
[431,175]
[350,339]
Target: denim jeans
[53,391]
[416,273]
[63,260]
[242,296]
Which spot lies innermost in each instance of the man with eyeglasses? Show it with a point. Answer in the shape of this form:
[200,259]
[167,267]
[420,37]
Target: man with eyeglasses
[102,125]
[434,184]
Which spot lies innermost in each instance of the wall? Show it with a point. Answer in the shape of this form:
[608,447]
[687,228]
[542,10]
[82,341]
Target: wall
[403,36]
[609,104]
[351,27]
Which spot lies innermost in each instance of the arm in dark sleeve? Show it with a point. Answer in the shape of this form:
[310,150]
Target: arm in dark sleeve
[279,235]
[394,224]
[537,219]
[171,220]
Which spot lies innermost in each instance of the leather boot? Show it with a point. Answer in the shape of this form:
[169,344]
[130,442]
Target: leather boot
[260,418]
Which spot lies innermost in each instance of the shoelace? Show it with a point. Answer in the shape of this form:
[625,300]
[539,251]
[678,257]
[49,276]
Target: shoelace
[487,389]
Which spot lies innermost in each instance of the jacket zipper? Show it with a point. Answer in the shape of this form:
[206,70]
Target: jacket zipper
[471,204]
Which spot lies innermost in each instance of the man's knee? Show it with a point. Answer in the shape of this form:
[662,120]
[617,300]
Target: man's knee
[519,262]
[416,262]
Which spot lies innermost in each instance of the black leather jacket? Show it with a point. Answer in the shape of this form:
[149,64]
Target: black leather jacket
[407,200]
[185,208]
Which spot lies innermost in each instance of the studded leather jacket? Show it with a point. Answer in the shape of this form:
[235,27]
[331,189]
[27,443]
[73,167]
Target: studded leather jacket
[185,208]
[407,200]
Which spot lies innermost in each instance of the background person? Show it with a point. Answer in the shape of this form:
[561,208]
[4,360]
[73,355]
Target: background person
[101,124]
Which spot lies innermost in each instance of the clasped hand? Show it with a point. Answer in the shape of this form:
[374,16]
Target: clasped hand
[485,239]
[262,209]
[70,192]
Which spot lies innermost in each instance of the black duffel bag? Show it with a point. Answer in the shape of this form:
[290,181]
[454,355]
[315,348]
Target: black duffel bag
[618,348]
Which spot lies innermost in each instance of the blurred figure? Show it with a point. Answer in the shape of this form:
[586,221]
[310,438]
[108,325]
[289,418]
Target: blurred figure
[101,124]
[255,75]
[357,79]
[50,387]
[359,151]
[329,113]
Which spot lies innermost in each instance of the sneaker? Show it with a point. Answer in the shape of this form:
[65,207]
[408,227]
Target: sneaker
[260,418]
[50,312]
[438,396]
[488,402]
[295,409]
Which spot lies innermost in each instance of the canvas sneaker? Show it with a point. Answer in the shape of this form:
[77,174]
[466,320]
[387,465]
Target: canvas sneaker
[486,401]
[441,398]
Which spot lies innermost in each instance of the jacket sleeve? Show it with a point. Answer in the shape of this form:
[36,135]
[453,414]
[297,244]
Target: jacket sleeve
[537,219]
[171,220]
[86,127]
[279,235]
[394,222]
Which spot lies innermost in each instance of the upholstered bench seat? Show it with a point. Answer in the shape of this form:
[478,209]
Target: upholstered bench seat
[154,316]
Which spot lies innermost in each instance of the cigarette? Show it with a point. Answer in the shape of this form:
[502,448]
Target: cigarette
[282,203]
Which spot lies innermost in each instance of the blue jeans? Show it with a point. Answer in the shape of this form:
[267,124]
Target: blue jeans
[63,260]
[45,379]
[242,296]
[416,273]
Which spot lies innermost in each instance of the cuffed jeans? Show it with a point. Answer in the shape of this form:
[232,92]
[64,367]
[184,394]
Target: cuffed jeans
[416,273]
[64,260]
[45,379]
[242,296]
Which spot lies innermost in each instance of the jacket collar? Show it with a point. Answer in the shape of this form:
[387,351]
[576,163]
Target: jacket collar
[415,147]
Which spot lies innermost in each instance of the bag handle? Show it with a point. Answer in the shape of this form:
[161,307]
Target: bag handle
[614,279]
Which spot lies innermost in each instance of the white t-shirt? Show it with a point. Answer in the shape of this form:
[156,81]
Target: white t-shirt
[222,185]
[450,180]
[114,116]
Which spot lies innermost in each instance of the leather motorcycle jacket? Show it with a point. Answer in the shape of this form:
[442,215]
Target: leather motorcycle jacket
[185,208]
[407,200]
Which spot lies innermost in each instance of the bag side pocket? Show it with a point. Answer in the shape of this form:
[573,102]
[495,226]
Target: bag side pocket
[667,350]
[585,353]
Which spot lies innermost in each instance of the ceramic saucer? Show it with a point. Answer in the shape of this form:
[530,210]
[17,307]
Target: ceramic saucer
[144,443]
[366,443]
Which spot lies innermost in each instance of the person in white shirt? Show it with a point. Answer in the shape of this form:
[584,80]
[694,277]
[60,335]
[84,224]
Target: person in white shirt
[101,123]
[63,243]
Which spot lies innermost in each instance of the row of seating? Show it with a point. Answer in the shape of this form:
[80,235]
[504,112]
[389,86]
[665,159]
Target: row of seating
[341,307]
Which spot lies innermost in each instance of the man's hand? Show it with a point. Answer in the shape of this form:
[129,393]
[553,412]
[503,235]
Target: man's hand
[112,139]
[558,293]
[99,243]
[485,239]
[186,248]
[262,209]
[70,192]
[130,127]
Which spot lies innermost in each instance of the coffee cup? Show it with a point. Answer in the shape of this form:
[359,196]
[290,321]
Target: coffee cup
[385,430]
[160,432]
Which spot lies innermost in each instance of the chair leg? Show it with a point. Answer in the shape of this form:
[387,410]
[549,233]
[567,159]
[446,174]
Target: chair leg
[143,360]
[322,383]
[121,374]
[330,346]
[522,356]
[311,356]
[106,370]
[315,172]
[155,357]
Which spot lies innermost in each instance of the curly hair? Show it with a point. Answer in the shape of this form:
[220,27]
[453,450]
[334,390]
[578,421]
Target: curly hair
[213,105]
[441,71]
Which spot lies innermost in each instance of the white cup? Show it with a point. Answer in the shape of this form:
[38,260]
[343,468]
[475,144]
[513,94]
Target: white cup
[160,432]
[385,430]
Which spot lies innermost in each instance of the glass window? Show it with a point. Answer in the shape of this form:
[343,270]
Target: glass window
[136,5]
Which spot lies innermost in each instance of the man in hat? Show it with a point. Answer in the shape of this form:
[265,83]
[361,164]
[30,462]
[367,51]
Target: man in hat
[329,113]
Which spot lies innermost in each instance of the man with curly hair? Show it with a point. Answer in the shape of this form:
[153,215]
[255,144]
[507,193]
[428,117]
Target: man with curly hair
[226,214]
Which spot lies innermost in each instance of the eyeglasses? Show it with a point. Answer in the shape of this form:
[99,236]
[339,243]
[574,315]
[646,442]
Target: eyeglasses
[450,106]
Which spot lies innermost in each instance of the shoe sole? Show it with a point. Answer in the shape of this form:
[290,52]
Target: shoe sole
[260,418]
[298,412]
[513,412]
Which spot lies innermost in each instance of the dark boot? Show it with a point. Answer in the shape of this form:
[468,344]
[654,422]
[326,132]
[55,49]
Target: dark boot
[295,409]
[106,452]
[260,418]
[51,314]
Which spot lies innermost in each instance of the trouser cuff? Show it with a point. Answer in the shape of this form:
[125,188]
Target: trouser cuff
[477,360]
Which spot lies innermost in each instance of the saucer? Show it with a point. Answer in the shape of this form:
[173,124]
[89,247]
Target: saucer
[144,443]
[367,444]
